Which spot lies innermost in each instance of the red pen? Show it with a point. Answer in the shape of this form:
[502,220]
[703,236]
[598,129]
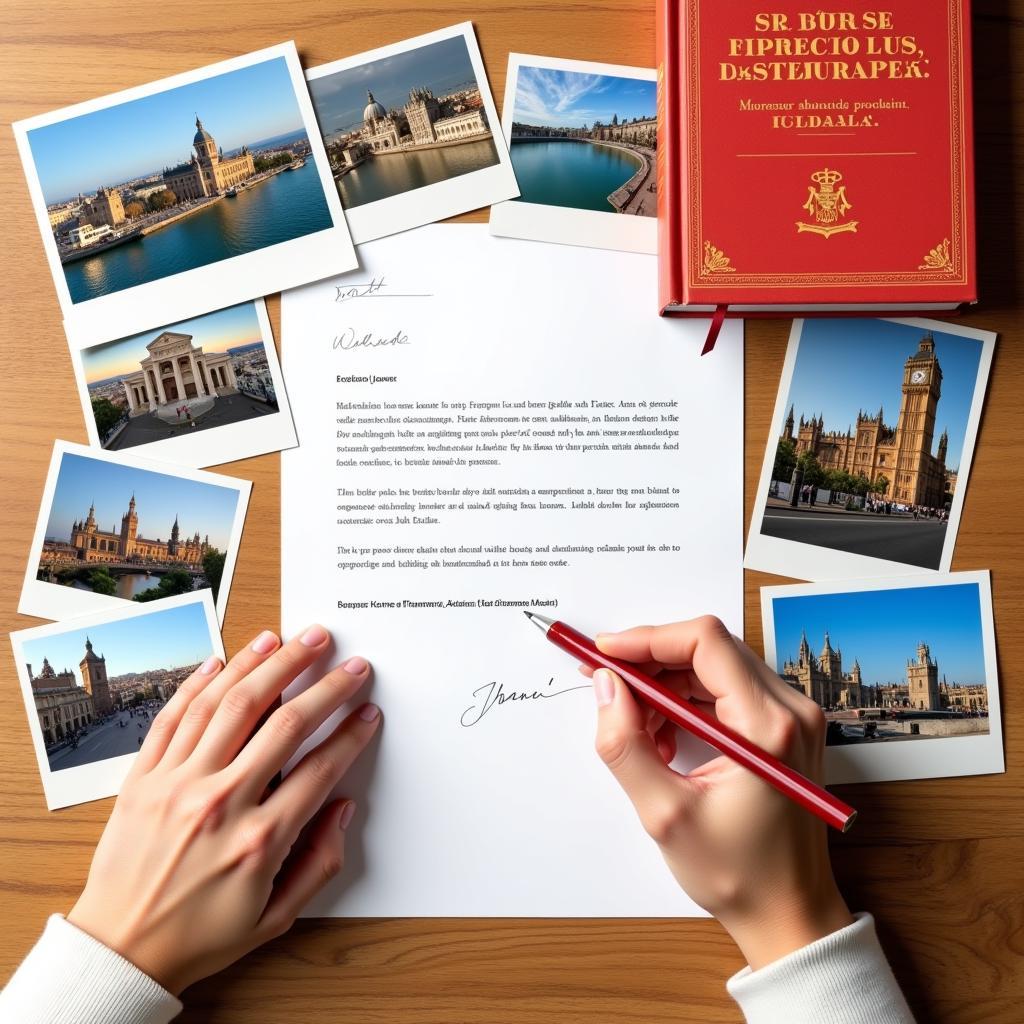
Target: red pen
[786,780]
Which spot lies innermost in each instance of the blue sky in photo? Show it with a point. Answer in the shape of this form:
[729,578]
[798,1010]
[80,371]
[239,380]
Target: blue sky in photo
[212,332]
[570,99]
[847,364]
[142,136]
[882,628]
[160,639]
[208,508]
[340,99]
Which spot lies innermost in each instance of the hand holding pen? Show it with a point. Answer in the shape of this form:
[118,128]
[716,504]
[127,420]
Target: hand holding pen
[753,857]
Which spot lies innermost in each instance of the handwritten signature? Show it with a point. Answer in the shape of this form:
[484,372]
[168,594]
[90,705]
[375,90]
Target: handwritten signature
[494,694]
[348,339]
[358,291]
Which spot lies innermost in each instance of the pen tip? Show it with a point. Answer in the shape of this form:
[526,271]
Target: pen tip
[526,613]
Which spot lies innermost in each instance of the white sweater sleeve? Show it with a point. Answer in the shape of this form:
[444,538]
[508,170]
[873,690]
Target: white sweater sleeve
[70,978]
[843,978]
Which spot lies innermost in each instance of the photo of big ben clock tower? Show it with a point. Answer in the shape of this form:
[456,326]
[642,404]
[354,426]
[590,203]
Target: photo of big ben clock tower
[920,477]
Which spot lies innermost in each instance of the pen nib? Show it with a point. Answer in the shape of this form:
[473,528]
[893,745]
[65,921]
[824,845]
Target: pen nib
[542,622]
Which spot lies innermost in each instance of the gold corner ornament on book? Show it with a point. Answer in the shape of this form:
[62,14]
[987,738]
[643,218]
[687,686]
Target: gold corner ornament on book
[828,204]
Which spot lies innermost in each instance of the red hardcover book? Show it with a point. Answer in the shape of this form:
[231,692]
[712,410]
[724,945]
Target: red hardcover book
[814,158]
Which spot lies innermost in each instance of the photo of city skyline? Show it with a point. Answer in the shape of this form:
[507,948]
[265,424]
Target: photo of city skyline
[886,664]
[133,533]
[179,179]
[878,422]
[403,121]
[198,374]
[585,140]
[96,689]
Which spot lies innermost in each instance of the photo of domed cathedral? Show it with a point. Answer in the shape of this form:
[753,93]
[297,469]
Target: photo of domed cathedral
[879,425]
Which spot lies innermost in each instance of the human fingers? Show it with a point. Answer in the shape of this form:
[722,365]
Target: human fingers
[286,729]
[201,710]
[241,708]
[662,797]
[315,861]
[310,782]
[169,716]
[638,644]
[665,740]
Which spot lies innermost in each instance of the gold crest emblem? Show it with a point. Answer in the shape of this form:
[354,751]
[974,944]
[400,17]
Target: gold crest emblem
[828,204]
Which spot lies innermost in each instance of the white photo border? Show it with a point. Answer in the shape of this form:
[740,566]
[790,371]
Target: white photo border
[229,442]
[53,601]
[592,228]
[216,285]
[799,560]
[102,778]
[931,758]
[447,198]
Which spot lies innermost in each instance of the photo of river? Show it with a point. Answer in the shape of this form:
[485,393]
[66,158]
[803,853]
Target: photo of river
[391,174]
[289,205]
[570,172]
[128,585]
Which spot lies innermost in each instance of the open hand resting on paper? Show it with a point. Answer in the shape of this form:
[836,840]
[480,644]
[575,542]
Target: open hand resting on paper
[745,852]
[199,863]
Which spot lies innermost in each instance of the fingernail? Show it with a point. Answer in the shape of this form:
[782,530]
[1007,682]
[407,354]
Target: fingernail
[209,666]
[356,666]
[346,815]
[368,712]
[313,637]
[604,687]
[265,642]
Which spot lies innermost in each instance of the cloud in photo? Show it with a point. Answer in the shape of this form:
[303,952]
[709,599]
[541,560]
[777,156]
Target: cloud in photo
[568,99]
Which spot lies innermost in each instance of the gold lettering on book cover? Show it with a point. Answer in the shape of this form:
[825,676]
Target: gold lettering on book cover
[828,204]
[938,258]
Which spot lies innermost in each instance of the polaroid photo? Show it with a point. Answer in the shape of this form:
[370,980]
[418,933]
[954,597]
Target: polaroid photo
[904,669]
[870,448]
[92,686]
[583,140]
[197,393]
[411,132]
[171,531]
[185,195]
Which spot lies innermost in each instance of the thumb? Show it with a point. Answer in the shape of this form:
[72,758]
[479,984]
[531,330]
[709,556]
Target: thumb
[661,796]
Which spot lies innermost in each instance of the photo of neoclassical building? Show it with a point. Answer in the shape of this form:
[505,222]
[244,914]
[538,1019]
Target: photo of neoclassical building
[208,172]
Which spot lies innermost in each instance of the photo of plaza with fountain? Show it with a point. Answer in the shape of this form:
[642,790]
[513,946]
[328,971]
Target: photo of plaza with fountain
[191,376]
[403,122]
[585,141]
[167,534]
[180,179]
[885,665]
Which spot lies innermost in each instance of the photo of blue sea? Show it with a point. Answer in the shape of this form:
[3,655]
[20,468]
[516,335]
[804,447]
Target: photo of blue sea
[181,179]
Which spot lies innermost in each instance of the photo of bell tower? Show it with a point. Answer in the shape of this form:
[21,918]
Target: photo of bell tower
[94,678]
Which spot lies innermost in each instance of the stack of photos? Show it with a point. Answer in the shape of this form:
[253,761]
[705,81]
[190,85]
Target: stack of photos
[904,669]
[583,139]
[92,687]
[185,195]
[410,131]
[114,529]
[870,448]
[198,393]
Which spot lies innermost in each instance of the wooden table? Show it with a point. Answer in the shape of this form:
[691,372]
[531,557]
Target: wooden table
[938,862]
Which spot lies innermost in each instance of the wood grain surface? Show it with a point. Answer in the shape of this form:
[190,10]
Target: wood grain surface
[938,862]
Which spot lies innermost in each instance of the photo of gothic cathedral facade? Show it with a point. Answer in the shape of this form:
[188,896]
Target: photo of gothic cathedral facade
[901,454]
[88,543]
[64,707]
[209,172]
[175,369]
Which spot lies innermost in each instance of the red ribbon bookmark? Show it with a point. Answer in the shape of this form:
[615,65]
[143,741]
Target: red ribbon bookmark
[714,329]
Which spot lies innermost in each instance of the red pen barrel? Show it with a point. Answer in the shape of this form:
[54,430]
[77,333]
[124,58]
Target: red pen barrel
[788,781]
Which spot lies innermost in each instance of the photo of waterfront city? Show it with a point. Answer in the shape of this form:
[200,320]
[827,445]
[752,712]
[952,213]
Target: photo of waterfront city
[585,141]
[186,377]
[95,690]
[183,178]
[405,121]
[135,534]
[878,431]
[905,663]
